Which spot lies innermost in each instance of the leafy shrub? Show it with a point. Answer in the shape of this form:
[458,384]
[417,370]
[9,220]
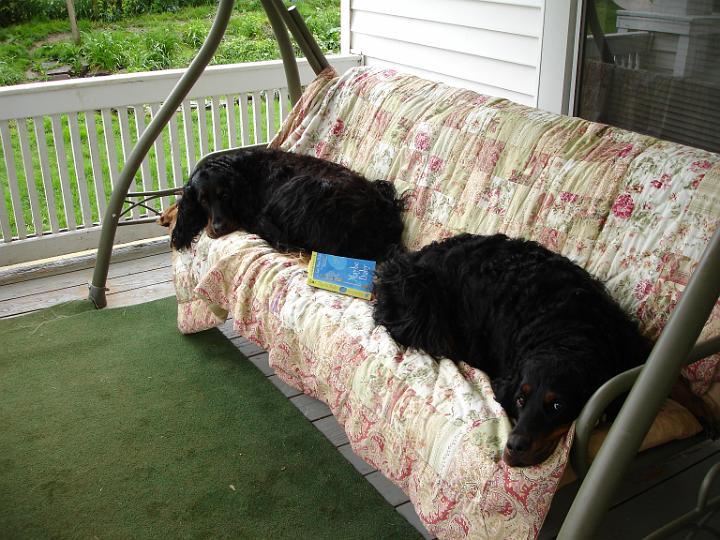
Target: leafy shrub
[160,49]
[62,51]
[151,41]
[8,75]
[13,63]
[104,51]
[194,33]
[17,11]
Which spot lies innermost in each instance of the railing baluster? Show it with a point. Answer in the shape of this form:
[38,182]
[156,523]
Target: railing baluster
[4,220]
[35,208]
[145,174]
[109,136]
[202,127]
[41,142]
[9,166]
[230,117]
[175,155]
[284,109]
[126,146]
[257,117]
[61,158]
[43,198]
[270,113]
[98,181]
[79,162]
[189,137]
[244,122]
[159,146]
[218,143]
[13,182]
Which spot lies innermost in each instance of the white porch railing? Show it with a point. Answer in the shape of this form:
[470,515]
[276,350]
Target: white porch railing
[629,49]
[64,143]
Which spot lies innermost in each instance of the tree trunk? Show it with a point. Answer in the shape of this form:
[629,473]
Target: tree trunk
[73,21]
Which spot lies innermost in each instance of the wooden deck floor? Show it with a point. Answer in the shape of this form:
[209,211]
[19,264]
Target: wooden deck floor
[147,276]
[664,488]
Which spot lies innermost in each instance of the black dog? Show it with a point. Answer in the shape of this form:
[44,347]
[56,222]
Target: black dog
[545,332]
[295,202]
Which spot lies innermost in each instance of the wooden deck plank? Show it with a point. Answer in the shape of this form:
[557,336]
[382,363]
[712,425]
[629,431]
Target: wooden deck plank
[332,429]
[287,390]
[390,492]
[155,291]
[408,512]
[153,281]
[79,261]
[312,408]
[249,349]
[56,282]
[643,514]
[227,329]
[655,467]
[261,362]
[362,466]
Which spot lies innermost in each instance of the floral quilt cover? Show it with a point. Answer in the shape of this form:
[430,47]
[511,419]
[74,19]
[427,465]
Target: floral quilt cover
[633,210]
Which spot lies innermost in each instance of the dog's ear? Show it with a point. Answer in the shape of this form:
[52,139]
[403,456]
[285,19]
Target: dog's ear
[191,219]
[504,389]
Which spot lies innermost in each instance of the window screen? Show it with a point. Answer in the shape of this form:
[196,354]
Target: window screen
[653,66]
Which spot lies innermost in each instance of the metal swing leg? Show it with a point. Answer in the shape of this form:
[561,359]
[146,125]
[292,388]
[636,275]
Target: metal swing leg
[278,17]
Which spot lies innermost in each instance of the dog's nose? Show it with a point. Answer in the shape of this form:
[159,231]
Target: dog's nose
[218,227]
[518,443]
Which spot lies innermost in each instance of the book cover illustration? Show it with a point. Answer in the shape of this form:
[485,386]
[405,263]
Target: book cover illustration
[343,275]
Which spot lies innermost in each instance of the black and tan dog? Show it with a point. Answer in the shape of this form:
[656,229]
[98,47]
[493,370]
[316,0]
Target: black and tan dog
[295,202]
[546,333]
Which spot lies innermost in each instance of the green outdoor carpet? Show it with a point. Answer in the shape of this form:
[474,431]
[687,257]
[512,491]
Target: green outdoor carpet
[114,425]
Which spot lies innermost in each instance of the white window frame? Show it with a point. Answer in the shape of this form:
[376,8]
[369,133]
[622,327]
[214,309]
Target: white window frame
[559,53]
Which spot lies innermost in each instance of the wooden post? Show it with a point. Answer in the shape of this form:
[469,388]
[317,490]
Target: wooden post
[73,21]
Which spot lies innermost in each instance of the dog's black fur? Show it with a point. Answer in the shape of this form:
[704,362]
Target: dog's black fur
[295,202]
[545,332]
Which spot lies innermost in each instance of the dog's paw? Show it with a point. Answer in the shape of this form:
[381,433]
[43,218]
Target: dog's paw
[180,241]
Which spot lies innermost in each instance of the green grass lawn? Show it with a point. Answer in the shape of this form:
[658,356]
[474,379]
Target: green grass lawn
[154,41]
[144,43]
[153,180]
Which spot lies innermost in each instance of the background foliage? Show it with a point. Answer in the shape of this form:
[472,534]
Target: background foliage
[135,35]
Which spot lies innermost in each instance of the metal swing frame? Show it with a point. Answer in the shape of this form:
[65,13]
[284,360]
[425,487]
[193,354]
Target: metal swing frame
[281,19]
[649,384]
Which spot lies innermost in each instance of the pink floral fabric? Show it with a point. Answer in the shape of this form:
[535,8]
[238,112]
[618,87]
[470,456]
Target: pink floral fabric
[635,211]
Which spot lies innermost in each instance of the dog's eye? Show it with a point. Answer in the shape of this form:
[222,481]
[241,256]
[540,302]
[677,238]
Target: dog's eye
[520,402]
[557,406]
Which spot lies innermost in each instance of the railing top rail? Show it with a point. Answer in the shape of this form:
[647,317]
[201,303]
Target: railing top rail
[93,93]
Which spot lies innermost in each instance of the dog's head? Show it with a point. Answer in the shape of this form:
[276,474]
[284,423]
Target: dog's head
[212,189]
[544,397]
[213,199]
[168,217]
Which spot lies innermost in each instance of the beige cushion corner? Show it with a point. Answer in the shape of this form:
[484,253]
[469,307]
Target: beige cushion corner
[673,422]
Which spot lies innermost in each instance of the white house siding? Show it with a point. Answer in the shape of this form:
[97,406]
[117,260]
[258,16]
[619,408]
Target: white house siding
[490,46]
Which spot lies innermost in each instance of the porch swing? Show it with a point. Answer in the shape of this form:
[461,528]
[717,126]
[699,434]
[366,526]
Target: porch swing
[677,345]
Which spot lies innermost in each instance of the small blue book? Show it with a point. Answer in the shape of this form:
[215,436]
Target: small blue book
[353,277]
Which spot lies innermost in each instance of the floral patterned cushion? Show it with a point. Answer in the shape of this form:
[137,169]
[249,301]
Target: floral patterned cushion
[633,210]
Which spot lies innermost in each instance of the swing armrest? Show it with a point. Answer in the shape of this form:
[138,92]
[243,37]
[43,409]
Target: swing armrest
[606,394]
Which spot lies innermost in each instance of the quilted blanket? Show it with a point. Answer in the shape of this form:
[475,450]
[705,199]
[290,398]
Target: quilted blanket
[633,210]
